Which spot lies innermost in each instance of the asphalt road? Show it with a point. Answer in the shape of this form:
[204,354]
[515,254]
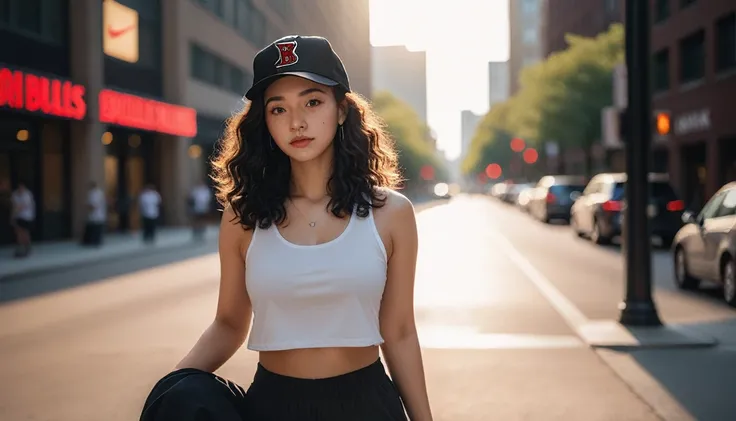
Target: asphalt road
[494,346]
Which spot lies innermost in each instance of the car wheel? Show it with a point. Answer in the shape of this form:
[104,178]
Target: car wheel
[596,236]
[682,276]
[728,276]
[574,225]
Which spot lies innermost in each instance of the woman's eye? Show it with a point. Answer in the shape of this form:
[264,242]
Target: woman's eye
[313,103]
[277,110]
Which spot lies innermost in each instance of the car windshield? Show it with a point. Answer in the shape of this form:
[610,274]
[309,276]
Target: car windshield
[564,190]
[657,190]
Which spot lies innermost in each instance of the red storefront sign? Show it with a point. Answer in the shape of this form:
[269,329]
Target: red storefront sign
[146,114]
[56,97]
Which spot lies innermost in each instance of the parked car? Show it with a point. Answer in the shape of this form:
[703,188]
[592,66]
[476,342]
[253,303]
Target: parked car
[705,247]
[511,195]
[598,212]
[524,198]
[554,195]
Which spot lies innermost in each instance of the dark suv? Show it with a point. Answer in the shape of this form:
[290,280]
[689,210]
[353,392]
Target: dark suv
[554,195]
[598,213]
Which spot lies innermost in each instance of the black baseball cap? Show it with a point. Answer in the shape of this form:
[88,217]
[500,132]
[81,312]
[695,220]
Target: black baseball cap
[309,57]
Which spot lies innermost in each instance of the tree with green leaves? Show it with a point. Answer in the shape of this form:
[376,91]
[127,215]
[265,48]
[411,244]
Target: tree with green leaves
[412,136]
[560,99]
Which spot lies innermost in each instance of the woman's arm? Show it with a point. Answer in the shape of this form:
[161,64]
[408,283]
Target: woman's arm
[401,346]
[229,329]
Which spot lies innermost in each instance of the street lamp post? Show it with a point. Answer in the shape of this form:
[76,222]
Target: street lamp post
[638,308]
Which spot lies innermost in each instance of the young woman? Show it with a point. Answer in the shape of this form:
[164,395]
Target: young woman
[318,248]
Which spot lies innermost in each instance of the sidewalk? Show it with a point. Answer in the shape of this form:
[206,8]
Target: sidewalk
[47,257]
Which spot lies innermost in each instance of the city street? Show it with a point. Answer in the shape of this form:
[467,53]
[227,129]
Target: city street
[495,294]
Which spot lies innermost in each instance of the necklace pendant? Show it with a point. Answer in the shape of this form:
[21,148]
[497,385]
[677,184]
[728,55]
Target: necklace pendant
[312,224]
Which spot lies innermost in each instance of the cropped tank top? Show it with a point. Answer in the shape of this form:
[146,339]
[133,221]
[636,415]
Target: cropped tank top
[315,296]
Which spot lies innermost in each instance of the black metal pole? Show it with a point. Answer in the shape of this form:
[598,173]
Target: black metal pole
[638,308]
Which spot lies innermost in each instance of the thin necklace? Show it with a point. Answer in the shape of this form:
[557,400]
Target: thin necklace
[311,223]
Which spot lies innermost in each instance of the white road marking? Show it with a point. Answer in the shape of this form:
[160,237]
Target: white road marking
[572,315]
[629,371]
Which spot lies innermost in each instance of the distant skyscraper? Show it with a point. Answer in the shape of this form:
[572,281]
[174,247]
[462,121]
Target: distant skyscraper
[403,73]
[525,37]
[468,125]
[498,82]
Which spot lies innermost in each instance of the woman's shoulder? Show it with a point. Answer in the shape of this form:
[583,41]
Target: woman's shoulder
[232,231]
[395,204]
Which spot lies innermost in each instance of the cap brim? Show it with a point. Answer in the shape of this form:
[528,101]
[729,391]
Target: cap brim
[261,86]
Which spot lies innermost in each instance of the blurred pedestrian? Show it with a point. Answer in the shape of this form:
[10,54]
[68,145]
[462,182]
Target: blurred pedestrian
[200,199]
[96,216]
[22,216]
[149,205]
[326,248]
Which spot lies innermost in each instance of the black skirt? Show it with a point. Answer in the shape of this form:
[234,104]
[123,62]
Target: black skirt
[367,394]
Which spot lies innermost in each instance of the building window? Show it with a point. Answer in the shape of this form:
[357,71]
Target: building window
[213,70]
[214,6]
[29,15]
[661,71]
[611,5]
[529,61]
[44,19]
[530,35]
[692,57]
[257,32]
[246,19]
[726,43]
[52,19]
[686,3]
[282,7]
[4,12]
[243,9]
[529,6]
[200,67]
[229,12]
[661,10]
[149,53]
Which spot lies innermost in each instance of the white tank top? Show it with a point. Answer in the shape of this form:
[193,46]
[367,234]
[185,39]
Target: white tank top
[325,295]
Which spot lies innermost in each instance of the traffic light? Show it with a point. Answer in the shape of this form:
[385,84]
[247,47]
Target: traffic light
[662,124]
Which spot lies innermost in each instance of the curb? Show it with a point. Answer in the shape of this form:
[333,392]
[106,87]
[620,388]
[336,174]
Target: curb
[643,385]
[609,334]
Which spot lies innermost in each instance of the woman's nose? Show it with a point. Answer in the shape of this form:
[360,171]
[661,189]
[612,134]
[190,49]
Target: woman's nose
[297,121]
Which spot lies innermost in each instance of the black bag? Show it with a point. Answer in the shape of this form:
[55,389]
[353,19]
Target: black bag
[189,394]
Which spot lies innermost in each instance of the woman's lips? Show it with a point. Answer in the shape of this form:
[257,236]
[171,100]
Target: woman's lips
[301,142]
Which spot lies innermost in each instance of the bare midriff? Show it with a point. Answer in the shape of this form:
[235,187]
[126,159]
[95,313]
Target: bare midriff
[318,363]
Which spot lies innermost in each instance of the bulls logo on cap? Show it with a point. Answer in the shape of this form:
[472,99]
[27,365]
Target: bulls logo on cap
[287,54]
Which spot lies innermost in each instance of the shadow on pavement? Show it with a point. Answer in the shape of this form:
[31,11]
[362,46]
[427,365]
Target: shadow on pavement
[25,287]
[33,285]
[700,379]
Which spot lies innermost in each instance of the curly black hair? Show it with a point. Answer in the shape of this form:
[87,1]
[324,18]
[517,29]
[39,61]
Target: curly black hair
[253,176]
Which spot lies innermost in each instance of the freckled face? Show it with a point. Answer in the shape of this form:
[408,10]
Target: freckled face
[302,116]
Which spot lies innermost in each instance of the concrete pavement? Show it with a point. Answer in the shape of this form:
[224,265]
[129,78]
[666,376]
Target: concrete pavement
[494,345]
[679,383]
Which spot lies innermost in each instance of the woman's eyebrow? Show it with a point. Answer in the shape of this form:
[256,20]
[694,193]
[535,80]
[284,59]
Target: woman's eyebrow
[302,93]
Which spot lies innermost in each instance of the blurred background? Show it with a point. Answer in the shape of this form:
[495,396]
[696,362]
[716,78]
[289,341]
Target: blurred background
[508,115]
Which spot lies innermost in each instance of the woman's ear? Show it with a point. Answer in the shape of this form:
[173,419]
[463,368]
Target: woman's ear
[342,111]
